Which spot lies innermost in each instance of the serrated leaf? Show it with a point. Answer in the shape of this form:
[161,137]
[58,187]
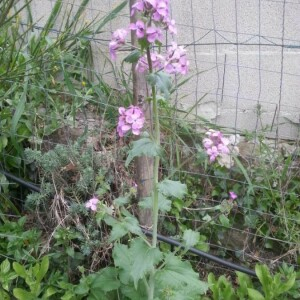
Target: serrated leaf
[117,232]
[122,256]
[190,238]
[123,260]
[164,204]
[162,81]
[121,201]
[134,294]
[142,147]
[121,228]
[145,259]
[171,188]
[224,221]
[179,276]
[106,280]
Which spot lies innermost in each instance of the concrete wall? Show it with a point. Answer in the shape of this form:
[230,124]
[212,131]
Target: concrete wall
[247,86]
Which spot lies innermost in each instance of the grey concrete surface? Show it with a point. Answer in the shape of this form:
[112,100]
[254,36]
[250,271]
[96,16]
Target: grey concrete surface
[247,86]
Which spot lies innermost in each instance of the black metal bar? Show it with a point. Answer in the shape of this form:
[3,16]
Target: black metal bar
[208,256]
[16,179]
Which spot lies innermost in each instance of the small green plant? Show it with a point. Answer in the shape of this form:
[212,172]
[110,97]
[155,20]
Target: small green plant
[282,285]
[33,277]
[19,243]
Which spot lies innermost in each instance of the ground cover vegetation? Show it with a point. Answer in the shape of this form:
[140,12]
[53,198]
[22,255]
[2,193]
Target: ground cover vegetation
[79,237]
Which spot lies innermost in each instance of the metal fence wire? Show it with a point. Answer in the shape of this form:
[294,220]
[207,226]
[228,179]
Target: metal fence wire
[245,69]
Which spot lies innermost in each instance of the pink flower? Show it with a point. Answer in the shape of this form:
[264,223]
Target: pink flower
[92,204]
[212,153]
[113,47]
[139,27]
[138,6]
[142,64]
[232,195]
[215,144]
[153,34]
[161,11]
[118,39]
[176,60]
[130,119]
[156,59]
[120,35]
[171,26]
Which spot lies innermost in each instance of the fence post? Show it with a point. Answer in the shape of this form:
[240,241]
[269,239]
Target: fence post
[143,164]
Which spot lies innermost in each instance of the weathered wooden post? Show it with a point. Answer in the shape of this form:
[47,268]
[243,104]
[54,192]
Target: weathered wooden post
[143,165]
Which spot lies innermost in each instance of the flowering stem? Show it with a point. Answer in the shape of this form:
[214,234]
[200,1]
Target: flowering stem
[155,175]
[156,159]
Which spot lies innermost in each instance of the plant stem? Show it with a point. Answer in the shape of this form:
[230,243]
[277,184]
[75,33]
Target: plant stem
[156,159]
[155,176]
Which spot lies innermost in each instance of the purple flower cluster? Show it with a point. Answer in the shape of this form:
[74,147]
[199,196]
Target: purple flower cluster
[132,119]
[232,195]
[154,18]
[215,144]
[158,10]
[173,63]
[92,203]
[118,39]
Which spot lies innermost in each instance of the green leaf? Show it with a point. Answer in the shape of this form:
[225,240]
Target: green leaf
[123,260]
[5,267]
[224,220]
[134,294]
[106,280]
[164,204]
[145,259]
[43,268]
[121,201]
[121,228]
[23,295]
[282,287]
[162,81]
[4,295]
[172,188]
[49,292]
[122,256]
[133,57]
[255,295]
[179,275]
[118,231]
[82,288]
[144,146]
[244,282]
[265,278]
[245,173]
[19,269]
[70,251]
[3,142]
[191,238]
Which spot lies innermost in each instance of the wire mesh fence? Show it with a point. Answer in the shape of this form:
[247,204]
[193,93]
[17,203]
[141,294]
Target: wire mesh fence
[245,69]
